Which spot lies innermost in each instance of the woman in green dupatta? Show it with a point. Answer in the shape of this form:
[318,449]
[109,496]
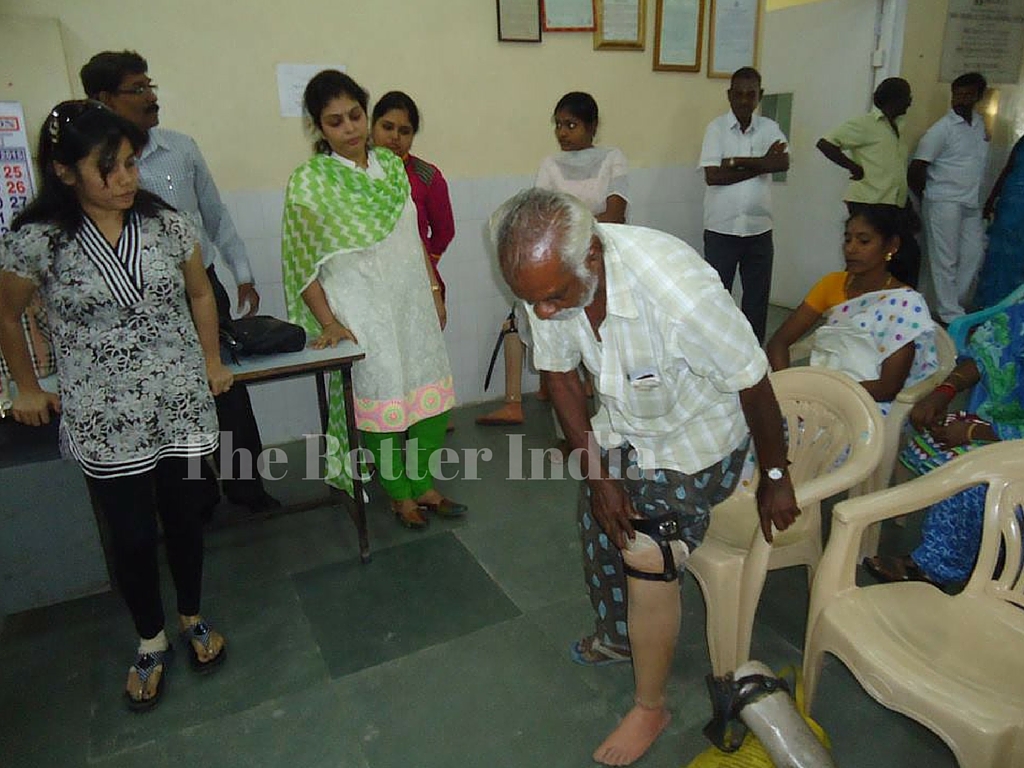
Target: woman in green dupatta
[355,269]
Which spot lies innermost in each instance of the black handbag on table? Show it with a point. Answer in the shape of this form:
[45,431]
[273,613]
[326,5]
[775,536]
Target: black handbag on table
[260,335]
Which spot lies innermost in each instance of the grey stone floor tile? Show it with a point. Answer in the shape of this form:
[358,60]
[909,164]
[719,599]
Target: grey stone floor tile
[498,697]
[272,652]
[307,729]
[412,596]
[533,553]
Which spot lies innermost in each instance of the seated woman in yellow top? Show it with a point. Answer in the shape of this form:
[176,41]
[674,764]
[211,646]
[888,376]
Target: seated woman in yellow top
[874,328]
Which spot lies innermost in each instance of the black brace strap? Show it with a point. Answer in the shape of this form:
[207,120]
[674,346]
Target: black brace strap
[728,698]
[507,327]
[663,530]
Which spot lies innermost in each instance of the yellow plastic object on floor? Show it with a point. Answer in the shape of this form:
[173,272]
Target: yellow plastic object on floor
[751,754]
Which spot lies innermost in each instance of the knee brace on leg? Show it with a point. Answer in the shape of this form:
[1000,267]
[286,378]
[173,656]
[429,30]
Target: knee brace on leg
[658,550]
[761,702]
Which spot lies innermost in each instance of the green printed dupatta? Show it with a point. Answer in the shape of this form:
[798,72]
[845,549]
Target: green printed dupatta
[330,208]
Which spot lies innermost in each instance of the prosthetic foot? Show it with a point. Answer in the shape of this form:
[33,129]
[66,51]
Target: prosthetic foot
[754,698]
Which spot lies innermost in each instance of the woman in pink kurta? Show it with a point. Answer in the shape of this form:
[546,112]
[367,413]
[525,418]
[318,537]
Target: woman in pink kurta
[396,121]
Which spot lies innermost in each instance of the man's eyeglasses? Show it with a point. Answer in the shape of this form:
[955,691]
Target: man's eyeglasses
[138,90]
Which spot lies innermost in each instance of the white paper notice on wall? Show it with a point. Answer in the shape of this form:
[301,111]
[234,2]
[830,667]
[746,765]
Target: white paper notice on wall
[291,82]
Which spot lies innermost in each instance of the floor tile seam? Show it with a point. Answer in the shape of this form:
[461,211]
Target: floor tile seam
[490,574]
[388,662]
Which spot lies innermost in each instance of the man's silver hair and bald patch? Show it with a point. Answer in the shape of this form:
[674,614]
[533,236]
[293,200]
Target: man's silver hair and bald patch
[538,220]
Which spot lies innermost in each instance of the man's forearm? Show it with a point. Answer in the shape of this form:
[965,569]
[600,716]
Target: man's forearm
[764,419]
[717,176]
[835,154]
[570,404]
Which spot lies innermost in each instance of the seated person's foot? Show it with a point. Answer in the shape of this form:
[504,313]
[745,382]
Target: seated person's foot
[509,414]
[634,736]
[891,568]
[442,506]
[407,513]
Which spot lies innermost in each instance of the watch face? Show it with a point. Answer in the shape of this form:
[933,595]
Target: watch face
[774,473]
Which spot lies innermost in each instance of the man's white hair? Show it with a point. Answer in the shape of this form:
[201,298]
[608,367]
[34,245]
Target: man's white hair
[536,221]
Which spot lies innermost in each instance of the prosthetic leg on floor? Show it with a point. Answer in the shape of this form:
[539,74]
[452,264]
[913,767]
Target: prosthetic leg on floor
[754,698]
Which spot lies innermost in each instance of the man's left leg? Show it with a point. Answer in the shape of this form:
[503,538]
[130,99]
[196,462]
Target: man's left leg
[676,511]
[756,278]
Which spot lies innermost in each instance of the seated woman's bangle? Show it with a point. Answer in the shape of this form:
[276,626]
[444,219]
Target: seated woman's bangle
[970,431]
[436,288]
[948,388]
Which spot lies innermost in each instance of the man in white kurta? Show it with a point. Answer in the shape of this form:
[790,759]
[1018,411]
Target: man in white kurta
[946,172]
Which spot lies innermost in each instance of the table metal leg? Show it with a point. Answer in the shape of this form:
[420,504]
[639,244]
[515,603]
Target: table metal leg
[359,512]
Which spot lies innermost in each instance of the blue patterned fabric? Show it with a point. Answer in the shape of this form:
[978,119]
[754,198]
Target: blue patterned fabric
[1003,269]
[951,533]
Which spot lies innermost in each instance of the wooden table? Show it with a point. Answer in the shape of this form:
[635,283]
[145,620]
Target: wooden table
[318,363]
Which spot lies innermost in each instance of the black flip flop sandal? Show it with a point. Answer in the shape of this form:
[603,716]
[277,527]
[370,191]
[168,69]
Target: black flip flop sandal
[146,664]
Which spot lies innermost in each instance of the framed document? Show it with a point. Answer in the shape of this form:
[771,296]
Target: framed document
[983,37]
[678,27]
[734,36]
[519,21]
[567,15]
[619,24]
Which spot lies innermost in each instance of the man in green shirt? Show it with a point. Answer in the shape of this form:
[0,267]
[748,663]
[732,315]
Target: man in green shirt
[872,149]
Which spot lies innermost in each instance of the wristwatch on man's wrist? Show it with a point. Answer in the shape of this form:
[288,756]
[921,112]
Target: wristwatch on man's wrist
[774,473]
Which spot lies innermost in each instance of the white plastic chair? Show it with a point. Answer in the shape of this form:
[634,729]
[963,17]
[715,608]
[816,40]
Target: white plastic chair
[901,406]
[828,416]
[953,663]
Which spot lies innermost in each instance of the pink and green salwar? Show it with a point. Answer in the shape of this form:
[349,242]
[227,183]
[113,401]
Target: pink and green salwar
[355,232]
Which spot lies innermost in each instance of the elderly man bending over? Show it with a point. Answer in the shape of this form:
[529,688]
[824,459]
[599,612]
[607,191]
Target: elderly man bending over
[683,386]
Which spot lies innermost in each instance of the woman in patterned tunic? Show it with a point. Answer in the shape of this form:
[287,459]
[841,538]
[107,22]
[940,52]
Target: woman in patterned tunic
[123,283]
[355,269]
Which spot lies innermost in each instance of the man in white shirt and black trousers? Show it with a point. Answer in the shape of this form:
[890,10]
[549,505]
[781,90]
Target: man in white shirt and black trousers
[171,166]
[740,152]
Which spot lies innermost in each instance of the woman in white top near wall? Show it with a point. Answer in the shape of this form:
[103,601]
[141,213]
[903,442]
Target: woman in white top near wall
[598,177]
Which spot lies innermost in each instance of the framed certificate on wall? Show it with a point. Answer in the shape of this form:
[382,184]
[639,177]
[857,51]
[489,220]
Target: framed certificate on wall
[678,28]
[619,24]
[519,21]
[567,15]
[734,36]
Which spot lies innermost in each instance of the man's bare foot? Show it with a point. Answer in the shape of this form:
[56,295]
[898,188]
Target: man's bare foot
[510,413]
[634,736]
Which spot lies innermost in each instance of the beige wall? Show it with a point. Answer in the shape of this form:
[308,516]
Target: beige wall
[486,104]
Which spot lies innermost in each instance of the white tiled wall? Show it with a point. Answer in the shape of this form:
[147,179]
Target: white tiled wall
[667,198]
